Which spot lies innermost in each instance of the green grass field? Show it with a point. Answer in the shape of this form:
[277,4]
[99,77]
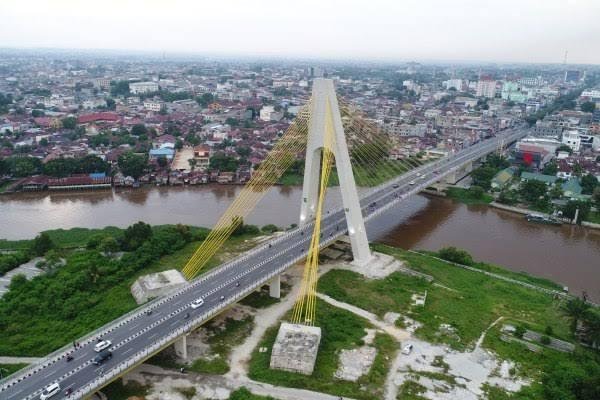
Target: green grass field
[465,196]
[470,302]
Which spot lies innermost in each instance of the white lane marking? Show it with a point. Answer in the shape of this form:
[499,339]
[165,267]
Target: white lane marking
[127,351]
[13,395]
[154,335]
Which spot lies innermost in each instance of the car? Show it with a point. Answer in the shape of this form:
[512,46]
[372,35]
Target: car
[101,345]
[50,391]
[407,349]
[222,298]
[395,186]
[197,303]
[69,357]
[148,312]
[102,356]
[411,182]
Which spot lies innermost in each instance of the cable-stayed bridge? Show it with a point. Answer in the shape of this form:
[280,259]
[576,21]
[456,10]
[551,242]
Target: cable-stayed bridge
[338,142]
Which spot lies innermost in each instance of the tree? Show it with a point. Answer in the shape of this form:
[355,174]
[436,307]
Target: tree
[589,183]
[41,244]
[564,147]
[550,169]
[243,151]
[596,196]
[531,190]
[44,142]
[108,246]
[588,106]
[192,162]
[139,129]
[69,122]
[222,162]
[556,192]
[570,209]
[132,164]
[110,104]
[119,88]
[497,161]
[37,113]
[205,99]
[179,144]
[576,309]
[135,235]
[483,176]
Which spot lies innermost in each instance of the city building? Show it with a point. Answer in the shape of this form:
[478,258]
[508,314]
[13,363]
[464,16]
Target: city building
[572,139]
[486,87]
[143,87]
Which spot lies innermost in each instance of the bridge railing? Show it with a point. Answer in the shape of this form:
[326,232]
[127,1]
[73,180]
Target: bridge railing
[165,341]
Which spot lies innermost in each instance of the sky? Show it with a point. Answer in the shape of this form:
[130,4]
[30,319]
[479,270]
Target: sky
[532,31]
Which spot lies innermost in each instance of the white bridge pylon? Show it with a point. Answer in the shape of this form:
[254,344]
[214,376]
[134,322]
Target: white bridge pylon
[324,105]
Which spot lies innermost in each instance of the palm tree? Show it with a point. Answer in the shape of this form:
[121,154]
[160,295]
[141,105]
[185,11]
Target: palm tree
[576,309]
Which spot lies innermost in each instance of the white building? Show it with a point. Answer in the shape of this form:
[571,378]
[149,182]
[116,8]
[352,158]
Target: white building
[268,113]
[453,83]
[152,105]
[486,88]
[572,139]
[143,87]
[102,83]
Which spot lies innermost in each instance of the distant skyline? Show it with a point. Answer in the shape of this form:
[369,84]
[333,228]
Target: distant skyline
[528,31]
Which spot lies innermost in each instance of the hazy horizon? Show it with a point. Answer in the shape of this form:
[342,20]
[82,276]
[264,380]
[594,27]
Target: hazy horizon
[532,32]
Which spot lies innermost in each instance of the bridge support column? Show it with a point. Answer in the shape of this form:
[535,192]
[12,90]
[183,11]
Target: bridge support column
[275,287]
[325,112]
[181,347]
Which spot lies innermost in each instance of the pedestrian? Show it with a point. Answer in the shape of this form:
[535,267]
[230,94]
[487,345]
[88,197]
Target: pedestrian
[74,344]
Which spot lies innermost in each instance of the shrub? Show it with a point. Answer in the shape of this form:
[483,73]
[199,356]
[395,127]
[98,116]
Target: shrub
[270,228]
[545,340]
[549,331]
[455,255]
[520,331]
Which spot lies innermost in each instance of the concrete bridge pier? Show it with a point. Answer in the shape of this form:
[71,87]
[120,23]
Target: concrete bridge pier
[464,170]
[275,287]
[181,347]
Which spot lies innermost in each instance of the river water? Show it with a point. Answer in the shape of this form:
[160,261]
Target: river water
[569,255]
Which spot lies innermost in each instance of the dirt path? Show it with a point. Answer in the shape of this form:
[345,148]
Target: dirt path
[482,337]
[263,319]
[393,331]
[213,386]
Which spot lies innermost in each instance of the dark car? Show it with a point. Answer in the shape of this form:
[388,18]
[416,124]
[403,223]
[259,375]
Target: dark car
[102,356]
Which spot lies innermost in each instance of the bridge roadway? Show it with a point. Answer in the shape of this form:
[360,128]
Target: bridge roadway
[136,336]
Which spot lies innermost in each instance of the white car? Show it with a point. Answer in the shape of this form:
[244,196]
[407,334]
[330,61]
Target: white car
[411,182]
[50,391]
[407,349]
[197,303]
[104,344]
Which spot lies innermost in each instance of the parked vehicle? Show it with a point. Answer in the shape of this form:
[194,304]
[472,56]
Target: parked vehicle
[407,349]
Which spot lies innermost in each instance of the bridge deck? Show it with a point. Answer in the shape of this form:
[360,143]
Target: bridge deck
[137,336]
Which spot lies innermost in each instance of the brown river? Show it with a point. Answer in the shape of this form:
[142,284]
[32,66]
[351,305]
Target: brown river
[569,255]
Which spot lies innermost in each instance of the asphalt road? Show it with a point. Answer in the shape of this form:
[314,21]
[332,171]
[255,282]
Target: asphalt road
[137,331]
